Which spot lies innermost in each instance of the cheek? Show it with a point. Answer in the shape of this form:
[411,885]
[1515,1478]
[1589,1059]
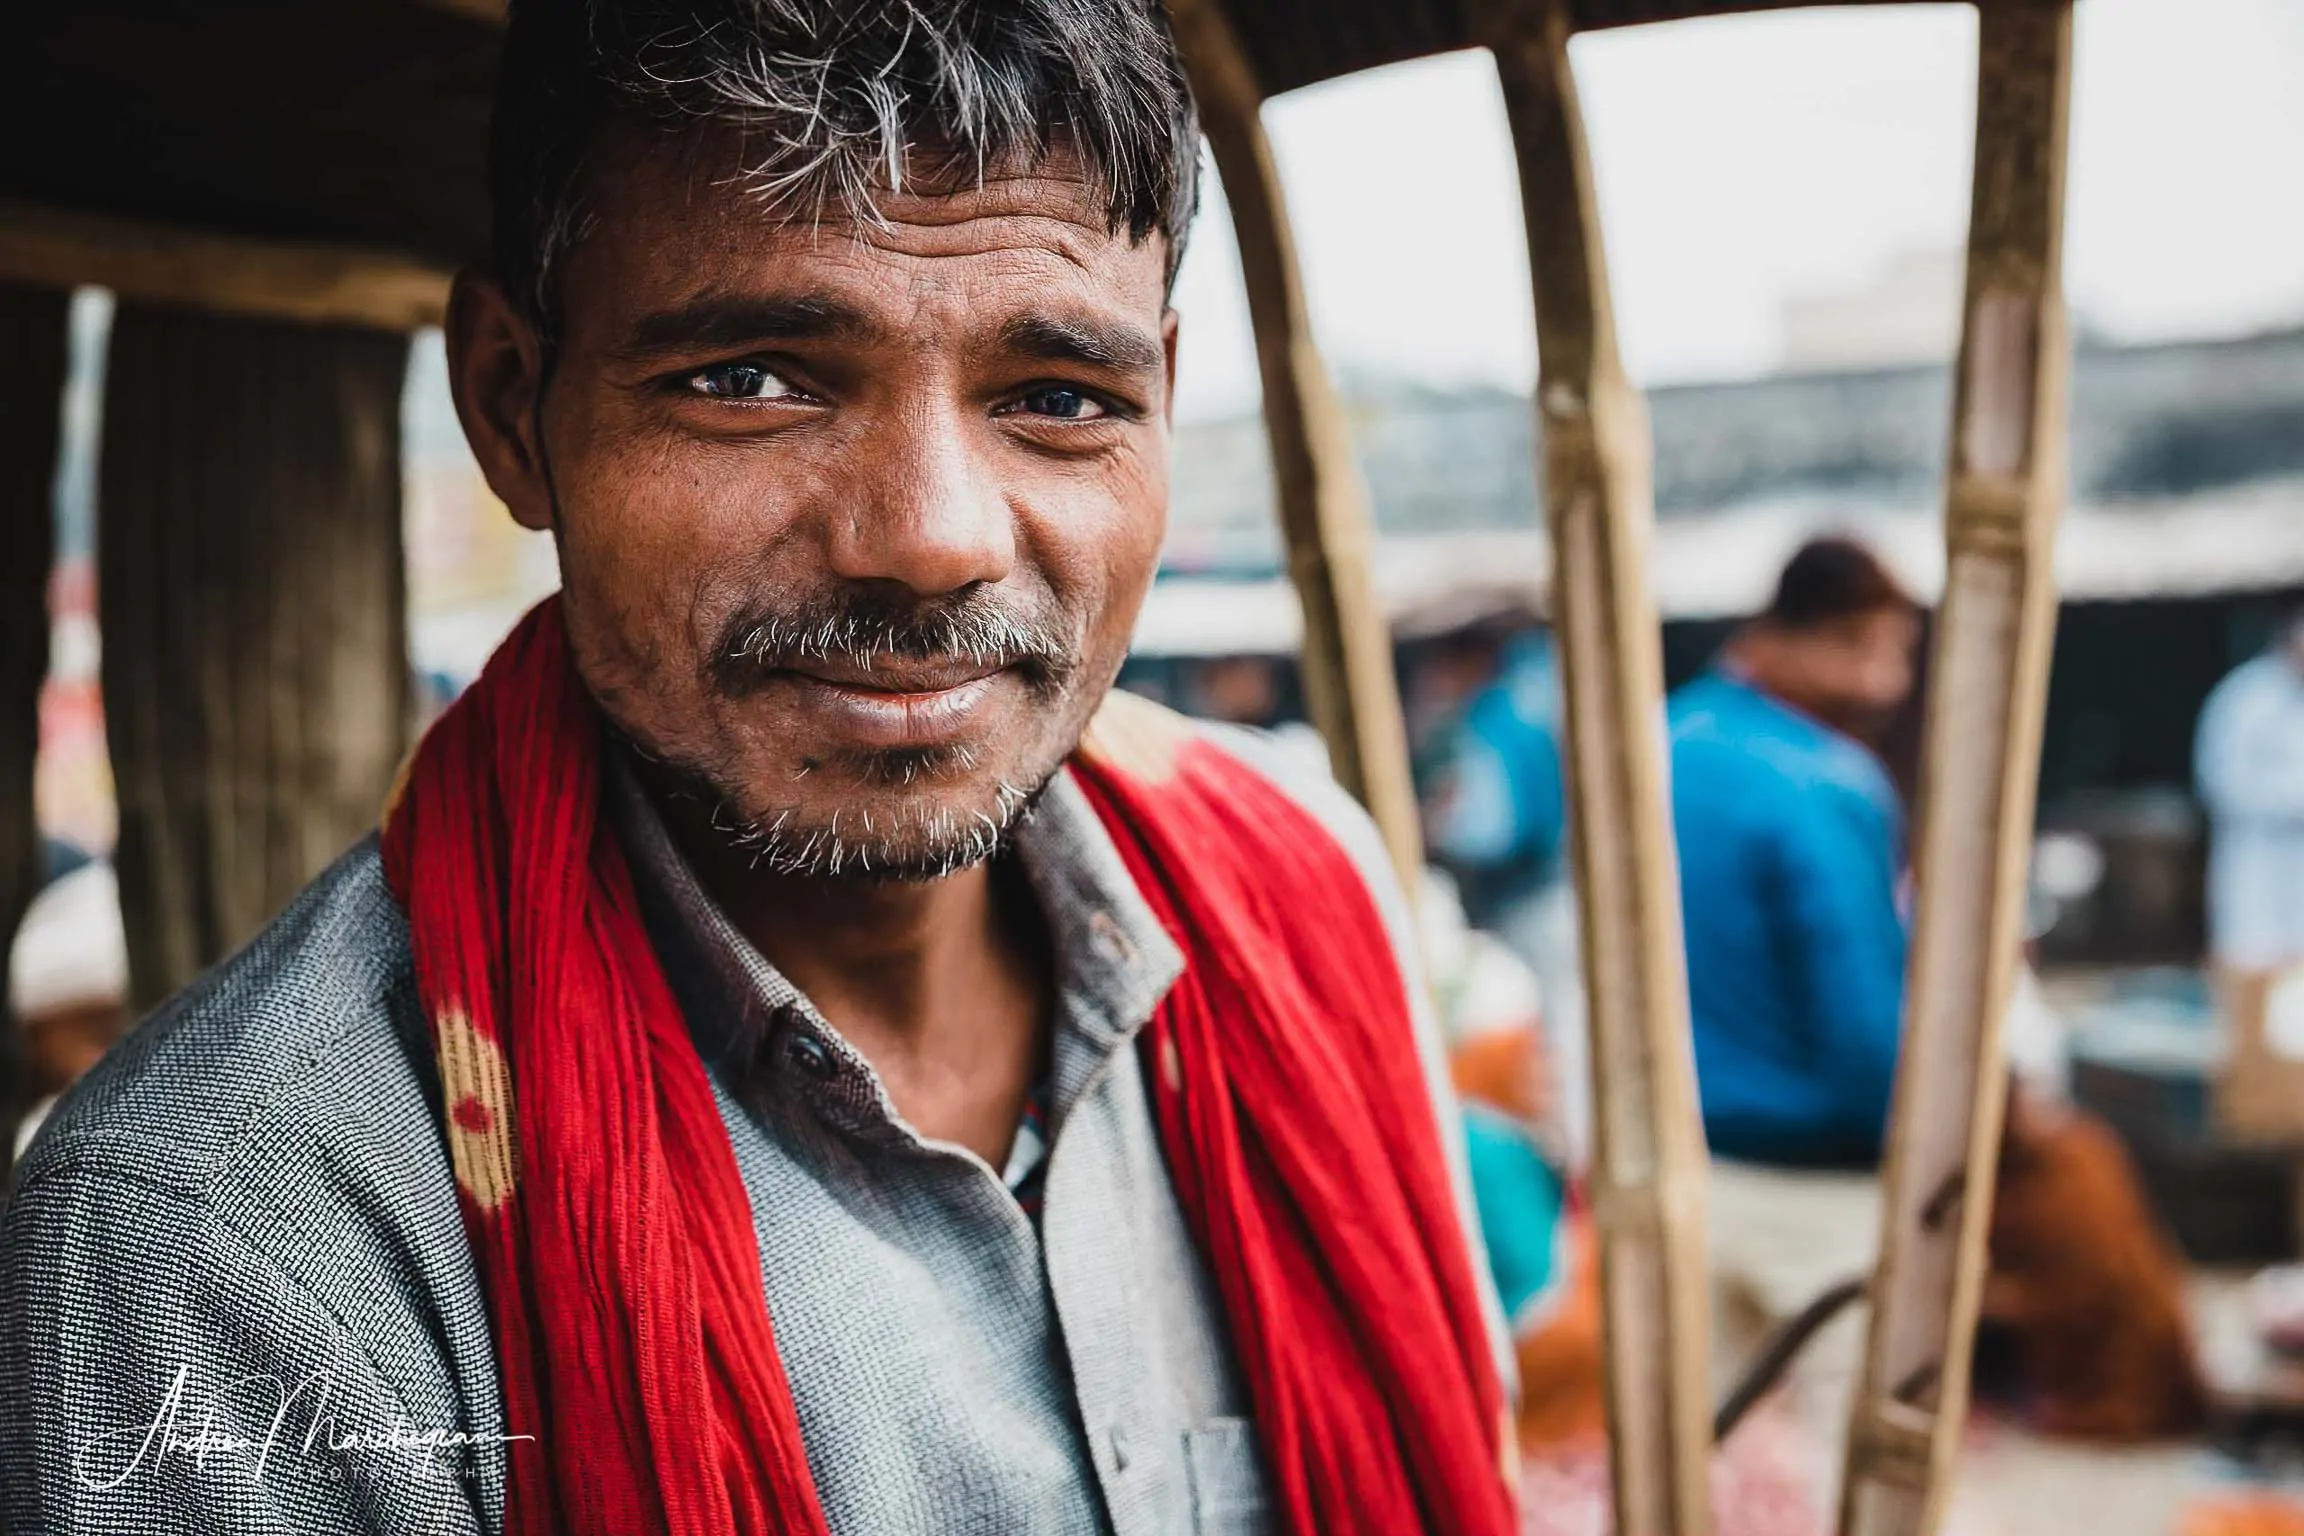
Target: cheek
[664,540]
[1099,551]
[1889,676]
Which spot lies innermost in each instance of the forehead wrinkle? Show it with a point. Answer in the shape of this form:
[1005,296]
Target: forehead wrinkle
[1009,235]
[665,199]
[663,224]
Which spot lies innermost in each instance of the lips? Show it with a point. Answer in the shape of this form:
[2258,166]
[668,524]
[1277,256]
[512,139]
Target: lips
[900,677]
[909,705]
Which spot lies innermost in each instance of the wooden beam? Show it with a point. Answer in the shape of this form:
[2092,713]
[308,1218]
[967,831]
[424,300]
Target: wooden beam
[490,11]
[253,597]
[228,274]
[34,356]
[1649,1172]
[1986,695]
[1348,678]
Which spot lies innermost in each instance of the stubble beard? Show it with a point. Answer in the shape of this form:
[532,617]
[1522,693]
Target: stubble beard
[914,814]
[923,837]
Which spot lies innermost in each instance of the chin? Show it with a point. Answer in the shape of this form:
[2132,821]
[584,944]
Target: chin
[912,815]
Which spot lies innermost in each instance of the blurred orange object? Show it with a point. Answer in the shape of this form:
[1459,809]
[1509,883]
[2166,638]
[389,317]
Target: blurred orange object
[1563,1366]
[2247,1514]
[1507,1070]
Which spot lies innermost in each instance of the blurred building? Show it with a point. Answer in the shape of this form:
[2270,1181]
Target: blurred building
[2184,535]
[2177,428]
[1910,313]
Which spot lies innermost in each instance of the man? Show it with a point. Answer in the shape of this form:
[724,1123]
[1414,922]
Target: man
[799,1057]
[1503,812]
[1791,851]
[1791,858]
[1791,848]
[1499,824]
[2250,757]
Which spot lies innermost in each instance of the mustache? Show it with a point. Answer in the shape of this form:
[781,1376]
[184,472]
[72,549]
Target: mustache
[862,629]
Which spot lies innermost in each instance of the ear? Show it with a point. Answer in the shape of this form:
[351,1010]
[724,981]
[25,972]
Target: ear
[496,372]
[1168,324]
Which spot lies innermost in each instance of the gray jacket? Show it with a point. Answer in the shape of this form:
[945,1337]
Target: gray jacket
[235,1294]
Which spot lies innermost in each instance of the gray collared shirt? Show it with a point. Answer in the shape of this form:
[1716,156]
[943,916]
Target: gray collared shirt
[254,1193]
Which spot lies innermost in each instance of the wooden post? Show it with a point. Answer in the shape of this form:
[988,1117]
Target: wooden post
[34,354]
[1649,1176]
[1348,677]
[252,599]
[1986,694]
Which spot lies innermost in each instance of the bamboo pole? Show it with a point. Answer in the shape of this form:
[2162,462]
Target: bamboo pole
[1348,678]
[1986,695]
[1649,1176]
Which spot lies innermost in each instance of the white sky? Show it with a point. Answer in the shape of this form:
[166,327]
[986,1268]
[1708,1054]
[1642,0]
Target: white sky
[1746,161]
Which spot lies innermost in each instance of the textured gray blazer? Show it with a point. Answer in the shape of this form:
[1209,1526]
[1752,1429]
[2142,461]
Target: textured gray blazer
[235,1294]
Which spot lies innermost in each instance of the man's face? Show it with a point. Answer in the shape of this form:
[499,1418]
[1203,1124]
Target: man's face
[854,520]
[1853,673]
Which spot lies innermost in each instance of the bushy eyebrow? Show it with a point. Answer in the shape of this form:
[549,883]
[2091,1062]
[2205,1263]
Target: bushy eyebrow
[726,322]
[1095,343]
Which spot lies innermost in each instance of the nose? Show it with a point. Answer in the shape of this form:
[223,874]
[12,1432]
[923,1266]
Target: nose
[928,513]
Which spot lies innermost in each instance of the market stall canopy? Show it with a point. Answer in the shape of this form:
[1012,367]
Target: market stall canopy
[361,123]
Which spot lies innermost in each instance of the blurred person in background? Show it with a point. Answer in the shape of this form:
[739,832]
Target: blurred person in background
[67,985]
[1791,846]
[1792,868]
[2249,760]
[1252,691]
[1500,817]
[1498,821]
[1791,850]
[1239,690]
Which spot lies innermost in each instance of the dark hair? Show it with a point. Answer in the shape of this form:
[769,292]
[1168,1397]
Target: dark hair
[830,95]
[1829,579]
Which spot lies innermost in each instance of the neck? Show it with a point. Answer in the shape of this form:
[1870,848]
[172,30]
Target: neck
[1752,662]
[944,986]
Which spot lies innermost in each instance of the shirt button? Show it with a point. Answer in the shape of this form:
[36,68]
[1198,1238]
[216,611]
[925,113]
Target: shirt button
[810,1055]
[1111,941]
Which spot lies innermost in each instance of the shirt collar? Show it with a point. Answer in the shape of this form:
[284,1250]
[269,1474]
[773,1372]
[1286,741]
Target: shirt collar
[1114,961]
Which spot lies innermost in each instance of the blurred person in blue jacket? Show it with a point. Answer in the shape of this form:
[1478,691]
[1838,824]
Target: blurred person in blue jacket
[1792,861]
[1791,849]
[1502,815]
[1499,823]
[1791,856]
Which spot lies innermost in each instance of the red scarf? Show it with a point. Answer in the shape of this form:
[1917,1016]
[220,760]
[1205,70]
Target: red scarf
[614,1237]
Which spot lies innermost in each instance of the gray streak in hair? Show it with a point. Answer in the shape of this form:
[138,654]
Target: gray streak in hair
[838,99]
